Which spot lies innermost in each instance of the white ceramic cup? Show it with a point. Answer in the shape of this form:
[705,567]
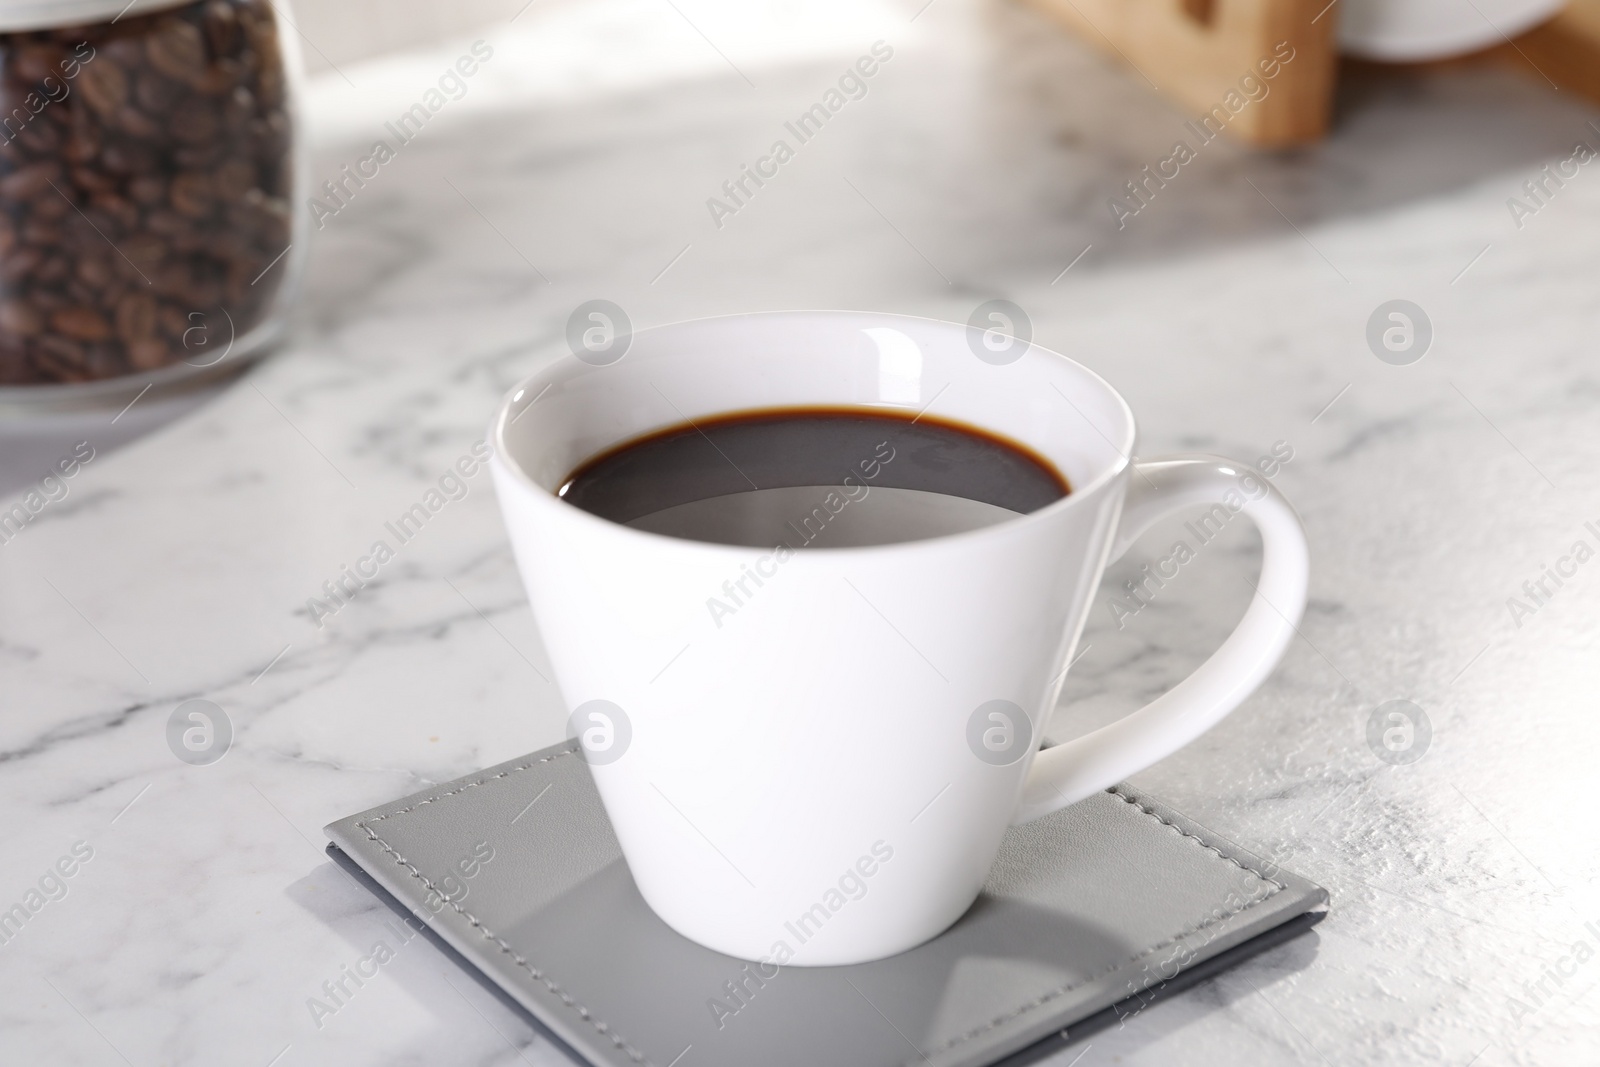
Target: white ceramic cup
[825,776]
[1412,31]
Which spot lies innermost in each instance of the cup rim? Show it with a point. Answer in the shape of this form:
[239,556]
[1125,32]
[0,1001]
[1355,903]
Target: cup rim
[501,457]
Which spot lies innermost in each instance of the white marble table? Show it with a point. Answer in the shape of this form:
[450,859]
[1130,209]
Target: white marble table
[1231,311]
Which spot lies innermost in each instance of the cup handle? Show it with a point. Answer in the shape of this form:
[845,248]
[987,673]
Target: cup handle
[1066,773]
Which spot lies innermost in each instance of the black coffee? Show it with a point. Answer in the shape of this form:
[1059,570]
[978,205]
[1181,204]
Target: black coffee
[814,477]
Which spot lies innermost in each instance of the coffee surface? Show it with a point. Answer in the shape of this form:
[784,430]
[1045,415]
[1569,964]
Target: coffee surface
[814,477]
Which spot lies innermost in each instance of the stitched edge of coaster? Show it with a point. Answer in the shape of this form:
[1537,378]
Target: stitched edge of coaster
[469,785]
[489,935]
[1047,997]
[997,1021]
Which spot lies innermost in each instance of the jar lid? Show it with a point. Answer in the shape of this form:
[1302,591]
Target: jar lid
[16,15]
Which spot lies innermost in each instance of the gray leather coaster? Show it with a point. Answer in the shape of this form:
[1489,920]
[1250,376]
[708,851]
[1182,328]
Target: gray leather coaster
[1090,909]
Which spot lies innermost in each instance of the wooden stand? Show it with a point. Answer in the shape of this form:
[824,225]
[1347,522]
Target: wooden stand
[1565,50]
[1212,57]
[1198,52]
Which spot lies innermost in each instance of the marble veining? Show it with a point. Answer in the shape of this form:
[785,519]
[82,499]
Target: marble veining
[978,166]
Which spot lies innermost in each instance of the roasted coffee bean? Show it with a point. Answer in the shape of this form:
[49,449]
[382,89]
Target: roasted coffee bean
[82,146]
[202,156]
[135,123]
[233,179]
[220,77]
[273,137]
[175,280]
[47,300]
[173,321]
[13,98]
[155,93]
[222,27]
[32,64]
[128,157]
[52,206]
[192,121]
[208,245]
[104,85]
[90,180]
[62,352]
[150,353]
[121,211]
[103,222]
[54,269]
[103,360]
[191,194]
[145,250]
[264,39]
[39,138]
[173,142]
[205,287]
[19,317]
[136,317]
[165,223]
[127,50]
[147,189]
[176,50]
[238,107]
[81,324]
[41,234]
[95,272]
[258,213]
[28,182]
[20,263]
[14,369]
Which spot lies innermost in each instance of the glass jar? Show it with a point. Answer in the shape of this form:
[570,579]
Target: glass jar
[150,172]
